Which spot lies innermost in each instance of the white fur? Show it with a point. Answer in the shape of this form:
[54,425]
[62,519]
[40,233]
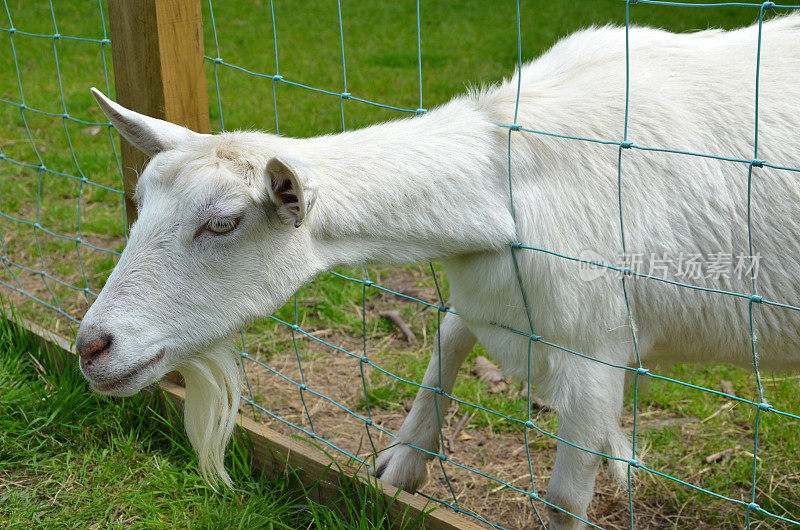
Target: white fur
[436,187]
[213,389]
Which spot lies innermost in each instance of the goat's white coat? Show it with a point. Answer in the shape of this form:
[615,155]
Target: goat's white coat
[436,187]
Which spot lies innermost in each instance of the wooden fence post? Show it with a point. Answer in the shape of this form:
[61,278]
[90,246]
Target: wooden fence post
[159,70]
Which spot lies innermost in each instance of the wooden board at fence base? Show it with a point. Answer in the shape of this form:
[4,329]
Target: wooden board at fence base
[275,453]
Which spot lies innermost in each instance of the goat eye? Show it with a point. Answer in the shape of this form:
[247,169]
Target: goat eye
[221,225]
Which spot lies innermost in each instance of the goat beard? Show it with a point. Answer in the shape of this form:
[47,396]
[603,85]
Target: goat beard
[213,389]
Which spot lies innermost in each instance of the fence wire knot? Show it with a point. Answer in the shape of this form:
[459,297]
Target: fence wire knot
[626,144]
[768,5]
[642,371]
[764,406]
[756,299]
[754,506]
[634,463]
[530,425]
[757,162]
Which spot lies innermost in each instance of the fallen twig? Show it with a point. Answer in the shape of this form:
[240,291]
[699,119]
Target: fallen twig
[728,405]
[466,418]
[507,484]
[396,319]
[723,455]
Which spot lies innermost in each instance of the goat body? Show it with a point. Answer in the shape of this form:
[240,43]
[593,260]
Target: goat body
[231,225]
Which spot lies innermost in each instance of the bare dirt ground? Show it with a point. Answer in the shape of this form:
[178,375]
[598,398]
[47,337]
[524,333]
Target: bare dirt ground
[498,454]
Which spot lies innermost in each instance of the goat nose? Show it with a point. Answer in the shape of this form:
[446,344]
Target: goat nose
[92,344]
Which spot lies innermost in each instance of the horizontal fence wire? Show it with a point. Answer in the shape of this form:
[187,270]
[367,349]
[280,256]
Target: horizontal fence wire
[32,272]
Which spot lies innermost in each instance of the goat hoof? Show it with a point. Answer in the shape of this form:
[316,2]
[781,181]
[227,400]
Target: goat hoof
[563,521]
[402,466]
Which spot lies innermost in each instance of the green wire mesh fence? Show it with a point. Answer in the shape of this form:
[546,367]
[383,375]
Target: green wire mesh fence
[62,226]
[61,204]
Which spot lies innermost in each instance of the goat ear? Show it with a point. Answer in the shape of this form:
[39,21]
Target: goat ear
[291,189]
[149,135]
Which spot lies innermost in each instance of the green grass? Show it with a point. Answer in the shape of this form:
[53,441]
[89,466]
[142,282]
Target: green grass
[469,42]
[714,424]
[71,458]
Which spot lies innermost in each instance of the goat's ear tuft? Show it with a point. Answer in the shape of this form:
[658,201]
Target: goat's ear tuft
[291,189]
[149,135]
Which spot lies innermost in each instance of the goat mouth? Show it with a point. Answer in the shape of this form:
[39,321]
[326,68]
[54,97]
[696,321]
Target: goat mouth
[125,378]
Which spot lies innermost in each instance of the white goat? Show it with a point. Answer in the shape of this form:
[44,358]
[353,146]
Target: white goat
[231,225]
